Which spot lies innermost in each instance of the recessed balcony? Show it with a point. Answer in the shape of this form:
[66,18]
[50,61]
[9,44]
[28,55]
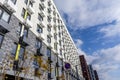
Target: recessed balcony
[41,24]
[28,23]
[9,4]
[30,10]
[42,14]
[41,36]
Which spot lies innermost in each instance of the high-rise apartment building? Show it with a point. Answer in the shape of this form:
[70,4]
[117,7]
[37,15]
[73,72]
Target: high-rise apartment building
[96,75]
[91,72]
[84,67]
[34,42]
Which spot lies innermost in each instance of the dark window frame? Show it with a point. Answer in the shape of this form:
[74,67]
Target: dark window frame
[48,53]
[22,58]
[39,29]
[3,11]
[48,39]
[40,18]
[14,2]
[2,39]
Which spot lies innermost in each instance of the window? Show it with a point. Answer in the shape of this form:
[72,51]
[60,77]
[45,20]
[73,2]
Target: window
[21,53]
[55,46]
[38,44]
[39,29]
[36,65]
[40,18]
[60,42]
[29,16]
[26,1]
[4,15]
[0,12]
[41,7]
[49,19]
[49,10]
[25,32]
[23,13]
[48,39]
[14,1]
[59,34]
[60,52]
[31,4]
[48,28]
[49,3]
[59,27]
[55,36]
[1,39]
[55,28]
[48,52]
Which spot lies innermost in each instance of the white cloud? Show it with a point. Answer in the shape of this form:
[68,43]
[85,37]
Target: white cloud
[110,31]
[107,62]
[87,13]
[78,42]
[84,13]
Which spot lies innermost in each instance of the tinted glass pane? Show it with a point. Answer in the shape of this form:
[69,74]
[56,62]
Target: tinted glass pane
[22,50]
[25,32]
[38,44]
[5,16]
[0,11]
[48,52]
[1,38]
[14,49]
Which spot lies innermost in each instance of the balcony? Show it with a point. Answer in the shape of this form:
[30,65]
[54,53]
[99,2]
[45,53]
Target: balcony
[41,24]
[49,25]
[50,46]
[41,36]
[42,14]
[9,5]
[27,23]
[30,10]
[49,34]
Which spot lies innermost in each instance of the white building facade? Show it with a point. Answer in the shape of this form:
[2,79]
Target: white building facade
[35,31]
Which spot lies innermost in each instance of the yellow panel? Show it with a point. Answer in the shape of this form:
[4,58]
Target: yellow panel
[17,52]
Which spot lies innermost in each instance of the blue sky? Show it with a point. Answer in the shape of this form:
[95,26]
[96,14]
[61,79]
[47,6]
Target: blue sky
[95,28]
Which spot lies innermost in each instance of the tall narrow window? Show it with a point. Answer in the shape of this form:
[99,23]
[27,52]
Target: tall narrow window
[23,12]
[0,11]
[1,39]
[25,32]
[48,52]
[48,39]
[40,18]
[49,28]
[29,16]
[22,51]
[55,46]
[38,44]
[41,7]
[31,4]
